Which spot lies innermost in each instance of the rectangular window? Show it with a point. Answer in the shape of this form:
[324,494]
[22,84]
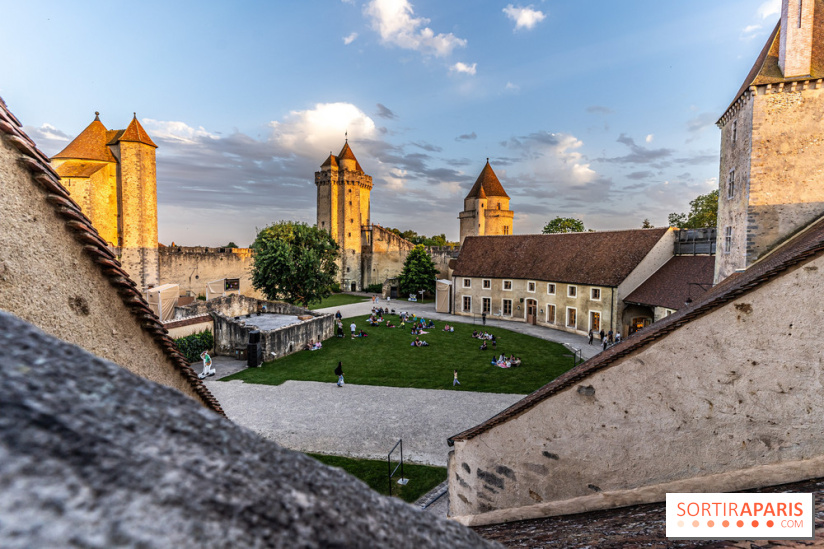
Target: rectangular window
[572,291]
[727,239]
[507,307]
[530,287]
[467,304]
[731,185]
[550,289]
[508,285]
[550,314]
[595,321]
[506,227]
[487,305]
[595,294]
[467,282]
[487,284]
[734,130]
[572,318]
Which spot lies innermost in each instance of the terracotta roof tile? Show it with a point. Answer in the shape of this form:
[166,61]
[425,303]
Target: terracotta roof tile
[89,145]
[596,258]
[135,132]
[487,183]
[672,284]
[75,221]
[347,154]
[800,249]
[79,169]
[331,161]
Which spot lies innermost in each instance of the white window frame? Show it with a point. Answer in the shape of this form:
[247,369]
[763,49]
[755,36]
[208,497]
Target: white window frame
[503,285]
[554,313]
[531,284]
[486,284]
[600,318]
[552,286]
[572,290]
[566,319]
[467,283]
[486,305]
[592,294]
[731,184]
[727,239]
[463,303]
[503,307]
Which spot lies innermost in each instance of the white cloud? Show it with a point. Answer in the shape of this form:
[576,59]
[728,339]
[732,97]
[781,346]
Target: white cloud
[176,131]
[769,8]
[464,68]
[649,138]
[310,133]
[525,18]
[394,20]
[751,28]
[512,87]
[349,39]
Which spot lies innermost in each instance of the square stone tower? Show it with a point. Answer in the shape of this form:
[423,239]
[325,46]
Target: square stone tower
[112,175]
[771,180]
[343,210]
[486,207]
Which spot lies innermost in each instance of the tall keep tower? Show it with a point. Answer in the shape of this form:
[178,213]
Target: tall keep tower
[486,207]
[343,210]
[771,180]
[112,175]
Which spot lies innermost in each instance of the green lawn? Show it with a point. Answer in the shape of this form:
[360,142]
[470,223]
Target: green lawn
[385,358]
[336,300]
[422,478]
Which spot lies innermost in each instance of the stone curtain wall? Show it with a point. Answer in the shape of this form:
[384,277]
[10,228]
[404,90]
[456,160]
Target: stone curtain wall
[193,267]
[713,406]
[239,305]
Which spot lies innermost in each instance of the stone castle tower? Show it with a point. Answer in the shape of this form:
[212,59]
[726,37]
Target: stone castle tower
[486,207]
[343,211]
[112,176]
[771,183]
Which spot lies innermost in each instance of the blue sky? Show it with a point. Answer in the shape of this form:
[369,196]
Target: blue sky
[599,110]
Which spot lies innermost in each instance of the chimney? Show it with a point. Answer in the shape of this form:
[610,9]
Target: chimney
[796,48]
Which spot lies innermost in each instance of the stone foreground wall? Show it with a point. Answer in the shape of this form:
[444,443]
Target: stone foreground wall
[93,456]
[729,401]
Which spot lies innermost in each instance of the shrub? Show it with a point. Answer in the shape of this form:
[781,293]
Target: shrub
[201,297]
[375,288]
[191,346]
[335,288]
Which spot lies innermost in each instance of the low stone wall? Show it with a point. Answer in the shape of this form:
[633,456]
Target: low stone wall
[187,326]
[238,305]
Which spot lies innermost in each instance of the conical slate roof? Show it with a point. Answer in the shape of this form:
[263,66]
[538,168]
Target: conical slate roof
[487,184]
[89,145]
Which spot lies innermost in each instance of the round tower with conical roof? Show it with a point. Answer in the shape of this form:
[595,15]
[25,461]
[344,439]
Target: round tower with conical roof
[344,211]
[486,207]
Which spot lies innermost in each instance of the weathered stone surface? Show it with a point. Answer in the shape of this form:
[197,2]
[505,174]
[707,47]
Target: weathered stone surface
[93,456]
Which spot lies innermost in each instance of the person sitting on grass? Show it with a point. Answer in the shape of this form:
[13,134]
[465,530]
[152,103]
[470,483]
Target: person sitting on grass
[308,346]
[516,361]
[446,328]
[316,346]
[475,333]
[431,324]
[419,343]
[483,346]
[363,334]
[389,324]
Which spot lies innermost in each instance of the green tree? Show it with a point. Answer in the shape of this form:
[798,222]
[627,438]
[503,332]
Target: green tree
[647,225]
[294,262]
[230,245]
[703,213]
[419,272]
[564,225]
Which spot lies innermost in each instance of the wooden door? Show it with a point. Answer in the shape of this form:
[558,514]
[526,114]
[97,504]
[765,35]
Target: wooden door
[531,311]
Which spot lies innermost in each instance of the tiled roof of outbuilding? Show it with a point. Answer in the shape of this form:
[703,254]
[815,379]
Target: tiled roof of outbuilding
[682,277]
[96,248]
[800,249]
[89,145]
[487,183]
[596,258]
[78,169]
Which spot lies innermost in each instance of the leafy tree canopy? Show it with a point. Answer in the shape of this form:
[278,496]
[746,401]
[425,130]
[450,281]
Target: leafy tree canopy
[703,213]
[231,245]
[419,272]
[294,262]
[415,238]
[564,225]
[647,225]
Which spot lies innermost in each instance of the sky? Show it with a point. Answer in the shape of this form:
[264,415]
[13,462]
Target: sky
[599,110]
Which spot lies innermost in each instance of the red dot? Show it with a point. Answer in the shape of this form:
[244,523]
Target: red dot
[770,524]
[725,523]
[740,523]
[755,524]
[710,523]
[695,523]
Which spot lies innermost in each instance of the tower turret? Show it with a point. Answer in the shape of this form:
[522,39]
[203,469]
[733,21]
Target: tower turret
[486,207]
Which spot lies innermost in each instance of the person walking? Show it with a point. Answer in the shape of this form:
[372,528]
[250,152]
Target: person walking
[604,342]
[338,316]
[483,318]
[339,373]
[353,329]
[455,378]
[591,335]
